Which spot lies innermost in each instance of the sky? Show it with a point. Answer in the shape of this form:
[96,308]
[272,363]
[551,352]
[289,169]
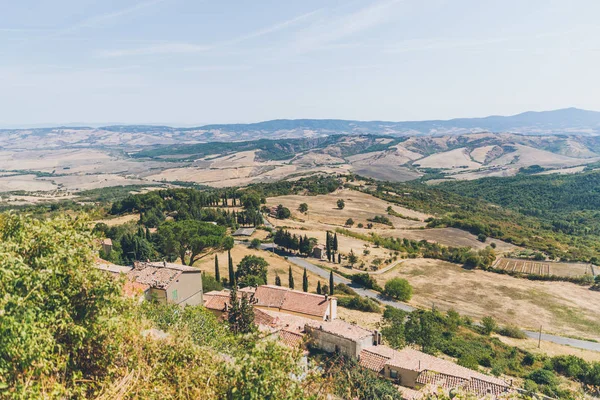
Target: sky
[193,62]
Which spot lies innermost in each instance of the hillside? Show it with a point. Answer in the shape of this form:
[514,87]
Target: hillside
[564,121]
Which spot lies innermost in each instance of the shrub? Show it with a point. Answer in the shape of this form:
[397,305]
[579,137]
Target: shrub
[512,331]
[359,303]
[488,325]
[543,377]
[367,281]
[343,288]
[255,243]
[209,283]
[341,204]
[398,288]
[349,222]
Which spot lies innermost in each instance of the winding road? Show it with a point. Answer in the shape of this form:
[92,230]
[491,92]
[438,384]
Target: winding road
[302,262]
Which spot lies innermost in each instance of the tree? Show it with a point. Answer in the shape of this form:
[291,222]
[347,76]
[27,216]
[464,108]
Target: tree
[331,283]
[328,246]
[305,281]
[290,278]
[303,208]
[398,288]
[349,222]
[231,270]
[251,270]
[489,325]
[341,204]
[255,243]
[352,258]
[251,200]
[57,311]
[319,287]
[423,329]
[393,327]
[178,238]
[282,212]
[217,272]
[482,237]
[240,314]
[277,280]
[335,243]
[339,258]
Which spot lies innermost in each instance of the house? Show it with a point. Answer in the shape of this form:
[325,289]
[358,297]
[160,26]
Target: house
[341,337]
[415,369]
[107,245]
[276,298]
[318,251]
[167,282]
[309,305]
[244,232]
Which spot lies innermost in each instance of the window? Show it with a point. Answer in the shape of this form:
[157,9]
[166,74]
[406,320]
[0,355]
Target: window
[393,374]
[174,294]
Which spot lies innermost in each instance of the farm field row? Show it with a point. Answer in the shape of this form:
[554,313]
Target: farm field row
[544,267]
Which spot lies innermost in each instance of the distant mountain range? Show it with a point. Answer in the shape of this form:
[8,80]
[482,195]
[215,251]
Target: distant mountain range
[569,121]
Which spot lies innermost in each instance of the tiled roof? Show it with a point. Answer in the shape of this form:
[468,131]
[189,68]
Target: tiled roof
[110,267]
[291,300]
[409,394]
[442,380]
[433,370]
[162,264]
[374,362]
[289,322]
[133,289]
[345,329]
[158,274]
[216,300]
[291,339]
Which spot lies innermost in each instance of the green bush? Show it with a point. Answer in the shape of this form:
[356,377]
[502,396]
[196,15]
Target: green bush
[543,377]
[359,303]
[512,331]
[398,288]
[367,281]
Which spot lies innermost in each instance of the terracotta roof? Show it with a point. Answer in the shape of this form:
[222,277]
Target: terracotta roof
[344,329]
[134,289]
[110,267]
[291,300]
[162,264]
[291,339]
[409,394]
[158,274]
[433,370]
[374,362]
[289,322]
[262,319]
[216,300]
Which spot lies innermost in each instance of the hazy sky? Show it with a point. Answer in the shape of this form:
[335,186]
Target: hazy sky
[215,61]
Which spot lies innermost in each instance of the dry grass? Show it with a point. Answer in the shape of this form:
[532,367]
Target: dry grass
[277,266]
[560,307]
[550,348]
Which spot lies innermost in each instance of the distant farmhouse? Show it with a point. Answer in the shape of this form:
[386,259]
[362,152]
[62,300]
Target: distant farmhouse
[244,232]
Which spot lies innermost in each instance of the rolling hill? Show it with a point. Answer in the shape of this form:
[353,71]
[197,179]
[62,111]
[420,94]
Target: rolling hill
[564,121]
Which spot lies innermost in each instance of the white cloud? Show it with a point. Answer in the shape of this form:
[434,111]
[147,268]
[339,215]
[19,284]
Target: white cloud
[179,48]
[106,18]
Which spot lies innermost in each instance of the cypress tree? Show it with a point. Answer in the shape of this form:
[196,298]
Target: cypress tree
[335,245]
[231,271]
[331,283]
[290,278]
[328,246]
[305,282]
[319,287]
[339,258]
[217,273]
[277,280]
[148,233]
